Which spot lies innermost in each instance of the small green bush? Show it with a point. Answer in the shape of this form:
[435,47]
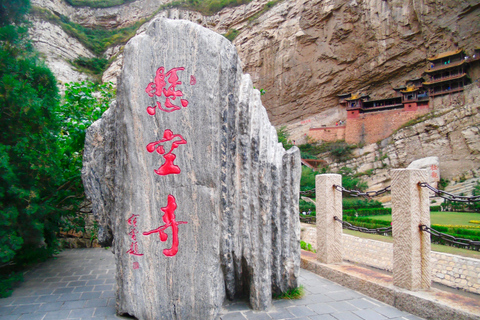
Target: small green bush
[97,3]
[283,136]
[7,281]
[94,65]
[306,246]
[367,212]
[231,34]
[294,293]
[304,206]
[367,222]
[97,40]
[360,203]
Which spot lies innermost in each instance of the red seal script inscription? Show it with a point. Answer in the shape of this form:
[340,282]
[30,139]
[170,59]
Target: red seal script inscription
[168,167]
[169,219]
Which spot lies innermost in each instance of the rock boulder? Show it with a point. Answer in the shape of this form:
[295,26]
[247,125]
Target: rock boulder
[186,173]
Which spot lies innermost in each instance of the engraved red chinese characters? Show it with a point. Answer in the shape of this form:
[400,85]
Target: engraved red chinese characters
[133,235]
[157,88]
[169,219]
[175,139]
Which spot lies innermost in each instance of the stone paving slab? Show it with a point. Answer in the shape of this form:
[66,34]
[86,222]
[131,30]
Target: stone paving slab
[80,284]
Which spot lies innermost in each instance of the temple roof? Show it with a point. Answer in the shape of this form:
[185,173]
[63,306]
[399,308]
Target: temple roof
[445,54]
[416,79]
[354,97]
[446,66]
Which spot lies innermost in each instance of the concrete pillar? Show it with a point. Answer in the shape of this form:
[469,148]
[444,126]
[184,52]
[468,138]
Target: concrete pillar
[329,231]
[411,247]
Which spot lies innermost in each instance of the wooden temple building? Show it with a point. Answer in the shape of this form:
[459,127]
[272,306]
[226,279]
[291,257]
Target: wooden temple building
[447,73]
[370,120]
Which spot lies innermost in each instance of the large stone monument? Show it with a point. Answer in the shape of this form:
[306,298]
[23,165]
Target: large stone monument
[189,181]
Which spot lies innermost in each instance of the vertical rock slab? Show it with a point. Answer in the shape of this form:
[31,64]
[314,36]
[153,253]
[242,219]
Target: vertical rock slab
[201,199]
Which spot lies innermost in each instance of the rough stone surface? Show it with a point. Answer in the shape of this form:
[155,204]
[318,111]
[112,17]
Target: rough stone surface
[431,164]
[329,205]
[98,172]
[59,49]
[411,246]
[236,187]
[432,304]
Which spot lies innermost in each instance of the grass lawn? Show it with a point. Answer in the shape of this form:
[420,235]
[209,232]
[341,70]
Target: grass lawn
[444,218]
[435,247]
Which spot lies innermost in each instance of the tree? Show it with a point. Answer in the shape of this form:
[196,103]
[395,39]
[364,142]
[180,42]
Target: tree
[13,11]
[83,103]
[29,174]
[41,147]
[283,136]
[349,182]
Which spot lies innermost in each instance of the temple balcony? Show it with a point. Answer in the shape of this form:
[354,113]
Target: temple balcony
[442,92]
[445,79]
[439,67]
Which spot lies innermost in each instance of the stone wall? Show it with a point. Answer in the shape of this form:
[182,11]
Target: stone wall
[456,271]
[327,133]
[372,127]
[448,269]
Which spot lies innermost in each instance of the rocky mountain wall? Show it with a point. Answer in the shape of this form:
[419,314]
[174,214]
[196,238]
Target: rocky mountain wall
[58,48]
[305,52]
[302,52]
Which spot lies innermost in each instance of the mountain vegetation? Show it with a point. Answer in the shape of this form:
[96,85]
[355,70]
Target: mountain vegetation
[41,147]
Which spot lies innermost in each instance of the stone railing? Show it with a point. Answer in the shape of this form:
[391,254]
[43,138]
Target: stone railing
[410,259]
[448,269]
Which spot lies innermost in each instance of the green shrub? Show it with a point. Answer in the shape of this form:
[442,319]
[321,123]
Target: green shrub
[209,7]
[94,65]
[310,150]
[294,293]
[349,182]
[358,203]
[367,212]
[231,34]
[306,246]
[304,206]
[367,222]
[307,180]
[37,189]
[97,3]
[283,136]
[470,234]
[7,281]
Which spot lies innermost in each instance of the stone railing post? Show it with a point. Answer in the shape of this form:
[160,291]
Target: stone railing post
[328,205]
[411,246]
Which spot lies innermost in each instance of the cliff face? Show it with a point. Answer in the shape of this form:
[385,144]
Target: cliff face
[302,52]
[305,52]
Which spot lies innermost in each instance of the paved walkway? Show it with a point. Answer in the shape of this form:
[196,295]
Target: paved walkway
[79,284]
